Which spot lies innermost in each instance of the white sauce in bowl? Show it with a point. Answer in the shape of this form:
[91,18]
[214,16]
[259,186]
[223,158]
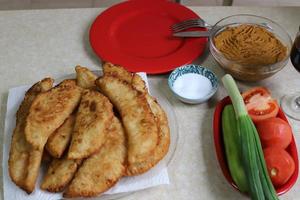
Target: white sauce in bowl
[192,86]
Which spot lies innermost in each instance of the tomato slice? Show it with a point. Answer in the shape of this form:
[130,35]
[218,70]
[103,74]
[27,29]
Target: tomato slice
[280,165]
[260,104]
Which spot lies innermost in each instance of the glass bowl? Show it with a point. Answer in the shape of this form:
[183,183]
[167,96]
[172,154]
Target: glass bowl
[242,71]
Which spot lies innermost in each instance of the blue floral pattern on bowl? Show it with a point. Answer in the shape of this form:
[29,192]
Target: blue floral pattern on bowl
[196,69]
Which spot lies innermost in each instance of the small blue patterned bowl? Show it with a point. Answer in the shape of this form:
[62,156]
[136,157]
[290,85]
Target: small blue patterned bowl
[189,87]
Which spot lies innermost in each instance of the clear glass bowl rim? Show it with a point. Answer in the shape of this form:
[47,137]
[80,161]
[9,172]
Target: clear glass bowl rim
[215,29]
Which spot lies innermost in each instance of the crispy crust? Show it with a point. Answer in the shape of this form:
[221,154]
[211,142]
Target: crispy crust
[90,180]
[138,83]
[39,87]
[93,118]
[160,116]
[137,117]
[59,174]
[24,161]
[164,131]
[117,71]
[49,110]
[60,139]
[85,78]
[163,143]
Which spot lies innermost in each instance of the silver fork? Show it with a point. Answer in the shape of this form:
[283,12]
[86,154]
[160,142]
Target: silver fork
[189,24]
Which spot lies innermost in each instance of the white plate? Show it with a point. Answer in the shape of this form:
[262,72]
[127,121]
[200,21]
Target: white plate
[158,173]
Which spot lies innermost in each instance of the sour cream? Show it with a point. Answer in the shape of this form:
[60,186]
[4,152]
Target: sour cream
[192,86]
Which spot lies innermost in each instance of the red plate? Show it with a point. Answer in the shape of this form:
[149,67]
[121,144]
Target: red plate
[137,35]
[219,147]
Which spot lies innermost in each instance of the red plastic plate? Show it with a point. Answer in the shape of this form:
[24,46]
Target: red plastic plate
[137,35]
[219,147]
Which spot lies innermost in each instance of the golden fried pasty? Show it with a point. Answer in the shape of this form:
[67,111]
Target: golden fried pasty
[92,120]
[49,110]
[85,78]
[103,169]
[24,161]
[137,117]
[59,174]
[60,139]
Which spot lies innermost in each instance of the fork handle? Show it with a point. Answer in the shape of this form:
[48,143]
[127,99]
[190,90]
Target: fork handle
[192,34]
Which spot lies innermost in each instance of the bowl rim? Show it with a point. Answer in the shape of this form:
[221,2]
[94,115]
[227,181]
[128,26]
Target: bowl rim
[215,29]
[221,157]
[210,94]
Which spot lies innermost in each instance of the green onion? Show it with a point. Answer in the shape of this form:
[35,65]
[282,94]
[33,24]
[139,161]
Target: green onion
[259,182]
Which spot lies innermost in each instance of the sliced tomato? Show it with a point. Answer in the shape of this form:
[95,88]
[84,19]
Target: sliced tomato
[260,104]
[280,165]
[274,132]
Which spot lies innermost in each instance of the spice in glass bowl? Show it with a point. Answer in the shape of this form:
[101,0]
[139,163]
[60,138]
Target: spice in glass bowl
[250,45]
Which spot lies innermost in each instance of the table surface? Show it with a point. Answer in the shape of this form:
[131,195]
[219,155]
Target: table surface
[39,43]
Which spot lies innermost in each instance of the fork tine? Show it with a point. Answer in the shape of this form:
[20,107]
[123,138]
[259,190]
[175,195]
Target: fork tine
[187,24]
[177,29]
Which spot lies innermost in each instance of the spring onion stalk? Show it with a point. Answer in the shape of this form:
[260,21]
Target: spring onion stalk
[259,182]
[266,180]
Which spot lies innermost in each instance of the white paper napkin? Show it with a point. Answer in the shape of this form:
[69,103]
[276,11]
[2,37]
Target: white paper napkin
[156,176]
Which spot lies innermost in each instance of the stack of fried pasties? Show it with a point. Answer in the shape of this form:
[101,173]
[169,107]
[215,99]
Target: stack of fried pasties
[91,130]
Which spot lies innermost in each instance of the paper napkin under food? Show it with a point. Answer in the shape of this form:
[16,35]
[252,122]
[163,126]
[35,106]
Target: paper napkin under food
[156,176]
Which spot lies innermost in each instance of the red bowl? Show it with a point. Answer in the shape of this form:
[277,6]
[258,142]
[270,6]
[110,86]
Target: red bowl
[219,146]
